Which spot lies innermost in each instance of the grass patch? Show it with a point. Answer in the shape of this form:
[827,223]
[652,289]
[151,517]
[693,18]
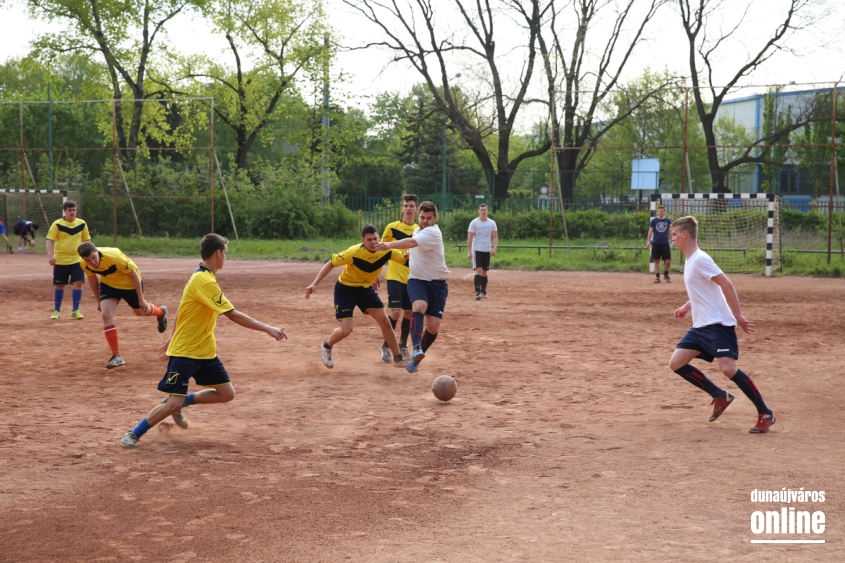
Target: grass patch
[592,255]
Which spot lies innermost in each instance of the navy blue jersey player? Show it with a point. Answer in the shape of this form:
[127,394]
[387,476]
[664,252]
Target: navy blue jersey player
[715,313]
[658,242]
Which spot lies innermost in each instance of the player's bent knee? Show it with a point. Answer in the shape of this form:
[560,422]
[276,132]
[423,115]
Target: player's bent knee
[226,393]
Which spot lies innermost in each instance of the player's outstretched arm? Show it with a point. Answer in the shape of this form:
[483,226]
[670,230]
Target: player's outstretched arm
[397,244]
[732,298]
[324,271]
[248,322]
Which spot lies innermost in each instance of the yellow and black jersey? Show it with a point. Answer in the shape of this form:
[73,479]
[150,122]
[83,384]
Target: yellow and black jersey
[362,266]
[67,236]
[114,268]
[398,230]
[202,302]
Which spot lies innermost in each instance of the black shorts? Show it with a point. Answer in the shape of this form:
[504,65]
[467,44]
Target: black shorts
[207,373]
[72,272]
[481,260]
[713,341]
[347,297]
[397,295]
[661,250]
[432,292]
[128,295]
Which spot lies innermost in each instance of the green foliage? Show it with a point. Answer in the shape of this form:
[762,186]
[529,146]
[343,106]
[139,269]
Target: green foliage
[810,222]
[591,224]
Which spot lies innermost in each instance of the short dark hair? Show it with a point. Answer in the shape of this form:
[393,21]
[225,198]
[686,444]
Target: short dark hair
[368,230]
[482,205]
[428,207]
[411,197]
[68,204]
[35,227]
[211,243]
[86,249]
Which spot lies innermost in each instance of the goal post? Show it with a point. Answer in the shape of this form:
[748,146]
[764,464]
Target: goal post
[38,206]
[738,230]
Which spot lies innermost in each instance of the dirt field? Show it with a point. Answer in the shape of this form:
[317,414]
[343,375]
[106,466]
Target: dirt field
[569,439]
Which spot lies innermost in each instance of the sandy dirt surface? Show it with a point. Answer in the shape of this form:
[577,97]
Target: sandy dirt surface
[569,438]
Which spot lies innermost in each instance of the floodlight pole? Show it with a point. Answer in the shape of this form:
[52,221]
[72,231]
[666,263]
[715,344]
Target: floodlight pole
[50,132]
[114,164]
[832,169]
[443,183]
[23,172]
[211,164]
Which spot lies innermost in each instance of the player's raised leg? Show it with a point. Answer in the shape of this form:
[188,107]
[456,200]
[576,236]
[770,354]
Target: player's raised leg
[680,364]
[765,416]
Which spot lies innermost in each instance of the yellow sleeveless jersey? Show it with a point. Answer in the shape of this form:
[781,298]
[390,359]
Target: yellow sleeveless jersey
[398,230]
[362,266]
[67,236]
[114,269]
[202,302]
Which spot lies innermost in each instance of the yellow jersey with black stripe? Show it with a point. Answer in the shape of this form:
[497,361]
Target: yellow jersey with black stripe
[362,266]
[202,302]
[398,230]
[114,268]
[66,237]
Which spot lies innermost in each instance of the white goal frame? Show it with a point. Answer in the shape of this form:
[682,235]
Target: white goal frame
[38,193]
[770,221]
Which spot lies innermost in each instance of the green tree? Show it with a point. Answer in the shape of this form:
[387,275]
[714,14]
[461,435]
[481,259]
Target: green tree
[124,34]
[275,46]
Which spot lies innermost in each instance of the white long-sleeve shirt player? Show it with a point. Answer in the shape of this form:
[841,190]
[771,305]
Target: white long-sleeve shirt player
[708,303]
[428,259]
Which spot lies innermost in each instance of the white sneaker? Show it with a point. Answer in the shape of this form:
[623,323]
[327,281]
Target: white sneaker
[327,357]
[129,440]
[386,356]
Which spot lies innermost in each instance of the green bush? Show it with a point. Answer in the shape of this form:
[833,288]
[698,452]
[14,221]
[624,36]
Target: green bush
[591,223]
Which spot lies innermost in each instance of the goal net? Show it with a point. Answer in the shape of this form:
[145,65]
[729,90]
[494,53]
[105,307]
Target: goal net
[740,231]
[42,207]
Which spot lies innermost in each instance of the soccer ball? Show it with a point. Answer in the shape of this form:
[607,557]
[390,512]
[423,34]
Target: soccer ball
[32,242]
[444,388]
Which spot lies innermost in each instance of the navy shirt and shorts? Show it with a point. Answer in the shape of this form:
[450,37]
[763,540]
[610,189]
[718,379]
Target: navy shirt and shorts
[660,238]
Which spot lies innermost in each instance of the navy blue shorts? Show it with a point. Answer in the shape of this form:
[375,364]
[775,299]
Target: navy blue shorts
[128,295]
[72,272]
[660,250]
[207,373]
[713,341]
[2,228]
[347,297]
[397,295]
[432,292]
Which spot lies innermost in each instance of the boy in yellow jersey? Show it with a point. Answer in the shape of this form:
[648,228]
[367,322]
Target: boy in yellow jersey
[397,277]
[63,238]
[120,279]
[192,348]
[354,288]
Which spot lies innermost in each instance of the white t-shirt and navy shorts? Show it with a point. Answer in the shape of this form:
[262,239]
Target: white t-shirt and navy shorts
[482,242]
[428,272]
[713,331]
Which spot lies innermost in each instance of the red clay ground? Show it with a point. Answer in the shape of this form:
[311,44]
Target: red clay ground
[569,439]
